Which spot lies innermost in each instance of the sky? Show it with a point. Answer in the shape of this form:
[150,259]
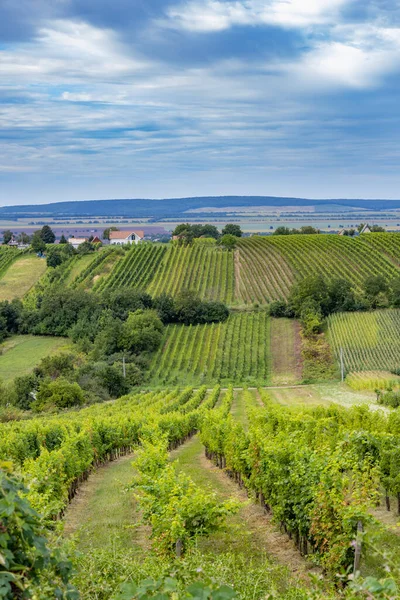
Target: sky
[170,98]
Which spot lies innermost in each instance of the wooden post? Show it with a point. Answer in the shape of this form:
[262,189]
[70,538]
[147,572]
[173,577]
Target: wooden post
[357,553]
[178,548]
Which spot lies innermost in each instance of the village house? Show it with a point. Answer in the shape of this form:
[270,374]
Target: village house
[76,241]
[126,237]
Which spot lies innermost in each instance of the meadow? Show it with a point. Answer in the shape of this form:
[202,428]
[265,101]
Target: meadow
[20,354]
[21,275]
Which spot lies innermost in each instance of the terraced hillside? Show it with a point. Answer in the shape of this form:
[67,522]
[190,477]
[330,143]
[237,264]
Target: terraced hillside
[237,351]
[370,341]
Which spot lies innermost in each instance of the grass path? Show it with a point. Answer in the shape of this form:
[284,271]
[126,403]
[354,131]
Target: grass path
[250,531]
[102,514]
[285,351]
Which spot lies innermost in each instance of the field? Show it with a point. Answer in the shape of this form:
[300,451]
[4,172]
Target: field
[268,266]
[208,271]
[369,340]
[285,352]
[21,276]
[22,353]
[261,270]
[237,351]
[322,395]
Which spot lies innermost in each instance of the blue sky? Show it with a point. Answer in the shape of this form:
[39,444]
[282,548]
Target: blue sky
[158,98]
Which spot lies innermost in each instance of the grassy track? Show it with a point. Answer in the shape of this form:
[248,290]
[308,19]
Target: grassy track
[21,276]
[237,351]
[22,353]
[102,514]
[250,531]
[286,354]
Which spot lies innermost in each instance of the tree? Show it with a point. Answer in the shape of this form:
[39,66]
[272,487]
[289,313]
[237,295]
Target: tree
[377,229]
[232,229]
[113,380]
[54,259]
[282,231]
[106,232]
[165,307]
[23,238]
[341,295]
[142,331]
[228,241]
[37,244]
[312,288]
[395,292]
[308,230]
[7,236]
[63,239]
[375,289]
[85,248]
[59,393]
[24,386]
[47,235]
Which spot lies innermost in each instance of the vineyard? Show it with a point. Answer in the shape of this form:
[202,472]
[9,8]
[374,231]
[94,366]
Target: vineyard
[268,266]
[208,271]
[369,340]
[237,351]
[136,269]
[297,470]
[7,257]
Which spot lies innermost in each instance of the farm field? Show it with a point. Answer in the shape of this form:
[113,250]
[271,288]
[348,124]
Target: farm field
[208,271]
[20,354]
[237,351]
[370,340]
[21,276]
[268,266]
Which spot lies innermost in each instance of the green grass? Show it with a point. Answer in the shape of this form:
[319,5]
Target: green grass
[21,276]
[321,394]
[103,514]
[286,368]
[22,353]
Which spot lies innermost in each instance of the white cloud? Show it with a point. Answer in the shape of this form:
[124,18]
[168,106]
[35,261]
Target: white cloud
[213,15]
[69,49]
[361,58]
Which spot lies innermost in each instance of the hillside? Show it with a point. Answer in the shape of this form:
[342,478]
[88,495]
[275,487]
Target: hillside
[260,270]
[178,207]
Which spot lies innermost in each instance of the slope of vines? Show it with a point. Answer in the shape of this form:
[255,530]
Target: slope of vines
[137,269]
[237,351]
[268,266]
[208,271]
[369,340]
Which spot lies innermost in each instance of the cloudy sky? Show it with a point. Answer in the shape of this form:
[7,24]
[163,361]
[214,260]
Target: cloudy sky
[155,98]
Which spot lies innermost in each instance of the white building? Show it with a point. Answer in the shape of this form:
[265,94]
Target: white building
[126,237]
[76,241]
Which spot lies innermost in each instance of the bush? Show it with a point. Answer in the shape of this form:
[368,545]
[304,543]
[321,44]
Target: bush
[142,332]
[58,394]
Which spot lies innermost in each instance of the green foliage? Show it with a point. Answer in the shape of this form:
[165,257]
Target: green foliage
[177,509]
[28,567]
[47,234]
[142,331]
[37,243]
[106,232]
[163,589]
[228,241]
[232,229]
[58,394]
[7,236]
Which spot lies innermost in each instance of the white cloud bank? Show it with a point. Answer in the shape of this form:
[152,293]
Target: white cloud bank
[212,15]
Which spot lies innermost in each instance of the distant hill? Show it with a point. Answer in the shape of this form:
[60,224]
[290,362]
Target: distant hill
[179,207]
